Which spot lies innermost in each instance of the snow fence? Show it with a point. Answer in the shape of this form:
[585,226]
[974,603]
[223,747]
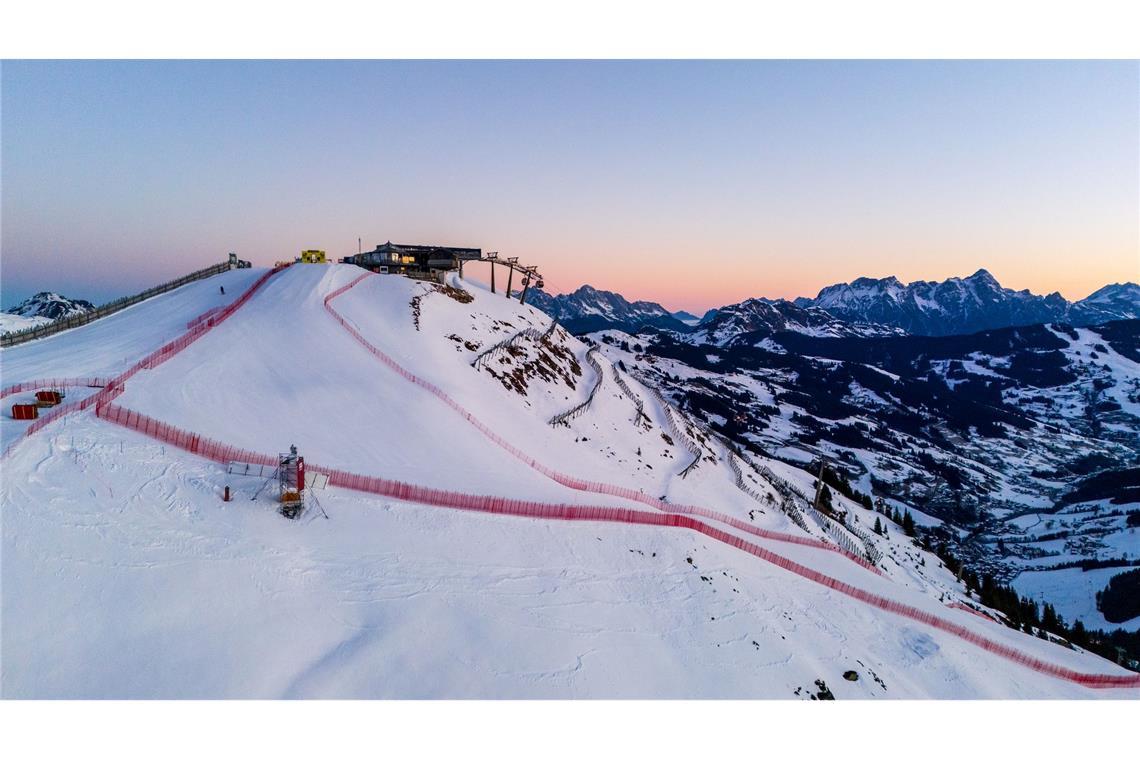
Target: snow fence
[113,387]
[224,453]
[578,484]
[577,409]
[55,382]
[501,505]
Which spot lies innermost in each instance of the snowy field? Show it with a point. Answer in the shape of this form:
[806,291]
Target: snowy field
[1072,592]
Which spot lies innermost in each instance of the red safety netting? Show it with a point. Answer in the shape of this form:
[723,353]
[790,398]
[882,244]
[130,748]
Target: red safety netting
[500,505]
[192,442]
[55,382]
[203,317]
[578,484]
[113,387]
[971,610]
[675,516]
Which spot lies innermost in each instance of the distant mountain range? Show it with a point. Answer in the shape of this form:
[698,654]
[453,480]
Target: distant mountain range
[865,307]
[41,309]
[959,306]
[758,318]
[588,309]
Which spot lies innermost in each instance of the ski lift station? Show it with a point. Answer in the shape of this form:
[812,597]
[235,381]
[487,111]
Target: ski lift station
[419,261]
[433,262]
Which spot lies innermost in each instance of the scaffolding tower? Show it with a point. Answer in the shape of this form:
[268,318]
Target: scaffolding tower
[291,478]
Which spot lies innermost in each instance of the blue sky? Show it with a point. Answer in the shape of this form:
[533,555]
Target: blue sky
[690,183]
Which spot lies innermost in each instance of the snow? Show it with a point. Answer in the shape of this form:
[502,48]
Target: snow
[771,346]
[111,344]
[1072,592]
[126,576]
[15,322]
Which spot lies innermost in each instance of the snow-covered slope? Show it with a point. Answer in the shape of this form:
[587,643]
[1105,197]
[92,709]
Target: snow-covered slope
[15,322]
[1016,443]
[126,575]
[1116,301]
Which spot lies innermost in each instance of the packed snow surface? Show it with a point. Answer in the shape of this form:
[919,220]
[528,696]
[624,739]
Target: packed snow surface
[125,574]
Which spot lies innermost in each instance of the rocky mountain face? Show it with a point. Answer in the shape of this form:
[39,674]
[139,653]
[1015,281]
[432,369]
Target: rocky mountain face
[959,306]
[51,306]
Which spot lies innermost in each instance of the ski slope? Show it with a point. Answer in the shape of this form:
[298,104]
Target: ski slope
[126,575]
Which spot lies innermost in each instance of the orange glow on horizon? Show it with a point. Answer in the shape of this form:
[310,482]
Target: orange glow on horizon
[698,282]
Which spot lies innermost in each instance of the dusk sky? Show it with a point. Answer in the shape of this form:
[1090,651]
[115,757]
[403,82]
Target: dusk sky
[693,184]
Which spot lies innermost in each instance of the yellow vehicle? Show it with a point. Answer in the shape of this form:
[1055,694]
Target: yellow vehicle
[313,257]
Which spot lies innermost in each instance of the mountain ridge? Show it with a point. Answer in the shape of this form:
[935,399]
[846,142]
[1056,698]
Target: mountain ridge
[963,305]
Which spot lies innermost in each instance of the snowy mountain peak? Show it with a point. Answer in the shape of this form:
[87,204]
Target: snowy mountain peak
[51,306]
[966,305]
[1115,293]
[984,276]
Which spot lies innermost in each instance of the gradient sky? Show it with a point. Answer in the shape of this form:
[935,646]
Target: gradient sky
[689,183]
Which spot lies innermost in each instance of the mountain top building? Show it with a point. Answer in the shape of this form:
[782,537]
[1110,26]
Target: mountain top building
[419,261]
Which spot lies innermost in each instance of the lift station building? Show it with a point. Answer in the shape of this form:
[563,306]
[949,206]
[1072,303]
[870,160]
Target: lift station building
[419,261]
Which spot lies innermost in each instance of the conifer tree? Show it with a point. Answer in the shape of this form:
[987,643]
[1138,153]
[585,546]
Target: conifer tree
[1050,620]
[908,524]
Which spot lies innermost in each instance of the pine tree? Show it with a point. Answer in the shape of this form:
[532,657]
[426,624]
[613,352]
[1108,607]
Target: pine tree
[878,527]
[1049,618]
[1079,636]
[908,524]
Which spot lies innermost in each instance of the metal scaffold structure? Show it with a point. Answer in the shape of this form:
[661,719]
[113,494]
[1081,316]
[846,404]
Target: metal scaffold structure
[291,481]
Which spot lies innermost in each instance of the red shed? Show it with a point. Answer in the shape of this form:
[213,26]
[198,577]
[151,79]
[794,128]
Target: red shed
[25,411]
[48,398]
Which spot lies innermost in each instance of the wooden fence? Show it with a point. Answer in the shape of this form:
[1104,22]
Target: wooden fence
[59,325]
[578,409]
